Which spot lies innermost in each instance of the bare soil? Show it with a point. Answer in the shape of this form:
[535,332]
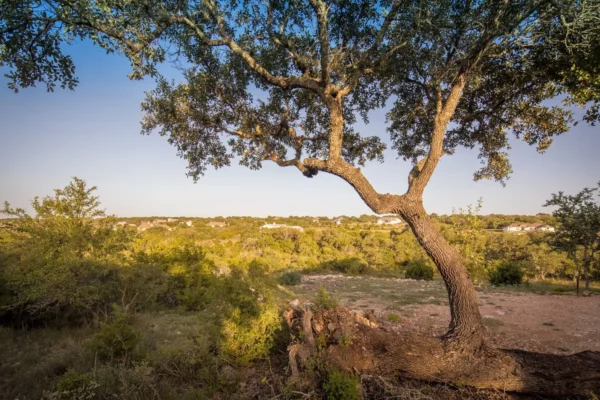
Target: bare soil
[555,324]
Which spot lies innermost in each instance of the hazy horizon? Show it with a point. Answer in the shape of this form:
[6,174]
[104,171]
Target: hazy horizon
[93,133]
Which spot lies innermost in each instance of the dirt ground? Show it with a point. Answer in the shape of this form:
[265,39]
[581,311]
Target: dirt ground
[559,324]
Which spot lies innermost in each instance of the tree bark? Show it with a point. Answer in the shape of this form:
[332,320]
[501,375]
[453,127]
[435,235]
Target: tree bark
[466,331]
[586,270]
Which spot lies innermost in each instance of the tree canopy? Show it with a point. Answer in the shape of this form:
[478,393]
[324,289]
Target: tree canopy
[285,81]
[579,226]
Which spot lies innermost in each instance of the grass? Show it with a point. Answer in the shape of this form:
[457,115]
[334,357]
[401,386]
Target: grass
[492,322]
[175,359]
[395,318]
[549,286]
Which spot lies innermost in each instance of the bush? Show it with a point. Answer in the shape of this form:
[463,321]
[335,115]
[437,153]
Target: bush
[395,318]
[115,340]
[506,274]
[247,338]
[325,299]
[290,278]
[419,270]
[74,386]
[61,263]
[66,291]
[341,386]
[350,266]
[251,316]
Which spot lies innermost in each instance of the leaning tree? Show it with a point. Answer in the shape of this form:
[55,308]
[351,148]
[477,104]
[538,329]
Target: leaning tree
[285,81]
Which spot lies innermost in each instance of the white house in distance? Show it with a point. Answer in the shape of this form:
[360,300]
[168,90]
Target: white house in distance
[189,223]
[528,227]
[216,224]
[145,225]
[282,226]
[172,220]
[389,220]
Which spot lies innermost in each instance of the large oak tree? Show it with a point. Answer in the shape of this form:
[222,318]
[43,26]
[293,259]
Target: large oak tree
[285,81]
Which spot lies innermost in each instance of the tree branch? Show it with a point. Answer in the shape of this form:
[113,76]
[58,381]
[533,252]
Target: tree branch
[321,11]
[379,203]
[423,170]
[284,83]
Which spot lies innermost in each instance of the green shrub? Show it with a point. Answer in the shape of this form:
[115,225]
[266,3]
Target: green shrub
[395,318]
[325,299]
[61,263]
[116,340]
[419,270]
[74,386]
[290,278]
[65,291]
[246,338]
[506,274]
[251,316]
[350,266]
[341,386]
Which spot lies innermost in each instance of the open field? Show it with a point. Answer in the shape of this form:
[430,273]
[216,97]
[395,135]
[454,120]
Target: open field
[515,318]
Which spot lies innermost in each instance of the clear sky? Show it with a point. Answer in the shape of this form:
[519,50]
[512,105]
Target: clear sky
[93,133]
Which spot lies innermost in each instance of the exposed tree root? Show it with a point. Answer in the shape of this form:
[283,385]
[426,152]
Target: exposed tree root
[356,343]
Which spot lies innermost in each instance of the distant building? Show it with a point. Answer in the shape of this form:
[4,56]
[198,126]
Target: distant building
[389,220]
[121,223]
[145,225]
[172,220]
[546,228]
[216,224]
[282,226]
[160,221]
[528,227]
[189,223]
[338,221]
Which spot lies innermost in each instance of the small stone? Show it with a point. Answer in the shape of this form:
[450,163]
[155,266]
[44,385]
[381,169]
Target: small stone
[318,327]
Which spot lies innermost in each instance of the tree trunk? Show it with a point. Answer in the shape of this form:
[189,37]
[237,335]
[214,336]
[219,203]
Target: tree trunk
[586,270]
[466,331]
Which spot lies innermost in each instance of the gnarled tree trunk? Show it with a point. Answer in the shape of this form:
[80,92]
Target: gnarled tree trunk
[466,331]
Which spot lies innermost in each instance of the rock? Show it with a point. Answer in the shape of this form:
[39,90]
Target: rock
[318,327]
[295,304]
[366,321]
[370,315]
[331,326]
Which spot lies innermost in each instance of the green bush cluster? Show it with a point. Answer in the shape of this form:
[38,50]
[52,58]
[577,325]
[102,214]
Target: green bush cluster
[506,274]
[350,266]
[419,270]
[290,278]
[325,300]
[341,386]
[115,340]
[75,386]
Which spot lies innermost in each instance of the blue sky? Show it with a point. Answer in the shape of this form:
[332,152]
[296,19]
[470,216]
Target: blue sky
[93,133]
